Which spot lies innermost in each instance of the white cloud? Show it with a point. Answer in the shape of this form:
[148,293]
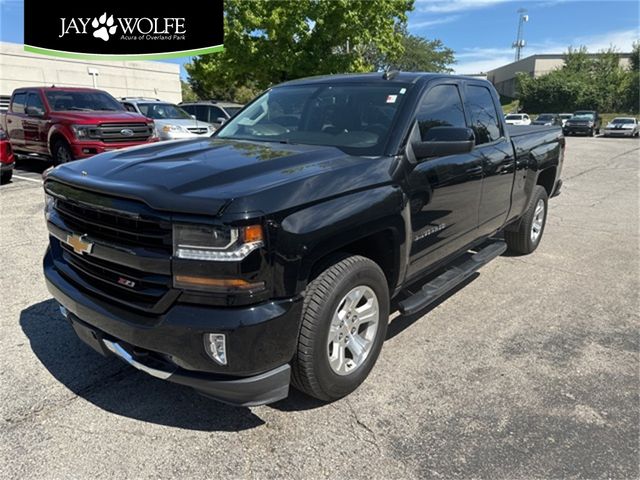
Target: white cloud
[434,21]
[476,60]
[449,6]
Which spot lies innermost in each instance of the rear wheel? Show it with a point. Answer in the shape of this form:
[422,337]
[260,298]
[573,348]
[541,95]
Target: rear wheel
[344,323]
[591,132]
[61,152]
[527,237]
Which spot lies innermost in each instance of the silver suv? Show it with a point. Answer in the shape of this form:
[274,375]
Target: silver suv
[212,111]
[172,122]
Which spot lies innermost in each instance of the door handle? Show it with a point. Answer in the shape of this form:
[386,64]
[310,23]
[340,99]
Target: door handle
[473,171]
[9,120]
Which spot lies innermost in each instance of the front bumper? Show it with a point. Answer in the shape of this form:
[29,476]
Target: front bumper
[584,129]
[261,340]
[89,148]
[619,132]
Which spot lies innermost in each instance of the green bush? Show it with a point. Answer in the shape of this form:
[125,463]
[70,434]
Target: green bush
[584,82]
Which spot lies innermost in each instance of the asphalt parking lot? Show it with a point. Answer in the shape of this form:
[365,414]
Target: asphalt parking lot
[530,370]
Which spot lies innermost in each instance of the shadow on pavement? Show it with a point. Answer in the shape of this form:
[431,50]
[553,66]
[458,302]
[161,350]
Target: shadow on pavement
[115,387]
[31,165]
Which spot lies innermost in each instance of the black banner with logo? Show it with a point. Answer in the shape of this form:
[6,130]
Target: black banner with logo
[120,30]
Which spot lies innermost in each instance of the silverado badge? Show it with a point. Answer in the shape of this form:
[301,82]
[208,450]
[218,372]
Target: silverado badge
[79,244]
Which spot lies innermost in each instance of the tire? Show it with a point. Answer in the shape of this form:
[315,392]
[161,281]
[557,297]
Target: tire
[524,240]
[316,367]
[61,152]
[6,177]
[590,133]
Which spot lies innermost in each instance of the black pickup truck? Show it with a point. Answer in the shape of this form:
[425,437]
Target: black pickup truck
[268,254]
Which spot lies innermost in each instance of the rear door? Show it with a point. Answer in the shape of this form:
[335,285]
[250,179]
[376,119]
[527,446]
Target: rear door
[495,154]
[35,126]
[443,192]
[15,116]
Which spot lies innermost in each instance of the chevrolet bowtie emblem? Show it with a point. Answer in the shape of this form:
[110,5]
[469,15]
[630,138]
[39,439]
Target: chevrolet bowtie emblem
[79,244]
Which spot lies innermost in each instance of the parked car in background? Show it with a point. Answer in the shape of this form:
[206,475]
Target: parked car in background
[212,111]
[172,122]
[564,117]
[517,119]
[622,127]
[6,158]
[583,121]
[271,254]
[65,124]
[547,119]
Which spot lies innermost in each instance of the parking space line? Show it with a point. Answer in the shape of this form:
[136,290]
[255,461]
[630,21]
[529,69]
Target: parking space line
[28,179]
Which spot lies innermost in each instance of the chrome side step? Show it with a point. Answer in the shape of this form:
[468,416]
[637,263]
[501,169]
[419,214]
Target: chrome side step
[452,277]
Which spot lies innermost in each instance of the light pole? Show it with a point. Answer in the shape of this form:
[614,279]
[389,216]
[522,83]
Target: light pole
[520,43]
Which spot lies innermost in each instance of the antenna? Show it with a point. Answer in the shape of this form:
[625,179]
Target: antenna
[520,43]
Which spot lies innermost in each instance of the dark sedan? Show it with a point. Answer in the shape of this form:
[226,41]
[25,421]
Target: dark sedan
[547,119]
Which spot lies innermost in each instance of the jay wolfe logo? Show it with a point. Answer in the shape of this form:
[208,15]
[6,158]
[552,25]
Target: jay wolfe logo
[124,30]
[104,27]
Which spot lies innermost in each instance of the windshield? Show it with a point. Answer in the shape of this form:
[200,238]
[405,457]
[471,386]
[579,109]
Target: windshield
[232,110]
[84,101]
[545,117]
[356,118]
[159,111]
[513,117]
[582,116]
[622,121]
[565,116]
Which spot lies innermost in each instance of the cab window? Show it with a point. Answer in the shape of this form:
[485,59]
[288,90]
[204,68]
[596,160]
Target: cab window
[484,117]
[440,107]
[18,104]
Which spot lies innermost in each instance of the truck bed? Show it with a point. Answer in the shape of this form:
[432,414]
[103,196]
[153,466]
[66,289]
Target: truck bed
[520,130]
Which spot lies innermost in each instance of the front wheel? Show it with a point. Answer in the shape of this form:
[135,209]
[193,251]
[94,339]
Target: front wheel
[61,153]
[527,237]
[344,324]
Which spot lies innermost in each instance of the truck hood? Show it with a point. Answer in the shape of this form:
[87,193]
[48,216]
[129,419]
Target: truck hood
[96,117]
[209,176]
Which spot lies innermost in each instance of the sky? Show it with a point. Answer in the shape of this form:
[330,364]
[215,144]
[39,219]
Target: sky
[480,31]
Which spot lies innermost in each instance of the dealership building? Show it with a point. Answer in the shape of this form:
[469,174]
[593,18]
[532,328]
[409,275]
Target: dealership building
[121,78]
[504,78]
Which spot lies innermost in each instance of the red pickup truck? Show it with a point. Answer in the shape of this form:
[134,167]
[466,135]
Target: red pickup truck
[65,124]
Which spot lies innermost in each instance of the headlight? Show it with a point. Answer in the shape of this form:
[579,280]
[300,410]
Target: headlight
[84,131]
[49,205]
[216,243]
[174,129]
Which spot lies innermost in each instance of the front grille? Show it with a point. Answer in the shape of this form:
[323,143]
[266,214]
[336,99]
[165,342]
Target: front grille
[198,130]
[116,281]
[112,132]
[115,227]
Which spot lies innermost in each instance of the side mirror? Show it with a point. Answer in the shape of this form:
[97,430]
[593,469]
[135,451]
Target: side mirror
[35,112]
[194,117]
[221,120]
[442,141]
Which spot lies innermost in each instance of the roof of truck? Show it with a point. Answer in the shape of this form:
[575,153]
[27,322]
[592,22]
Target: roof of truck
[394,76]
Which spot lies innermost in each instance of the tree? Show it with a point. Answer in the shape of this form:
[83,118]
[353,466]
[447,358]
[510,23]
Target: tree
[268,42]
[584,82]
[188,95]
[418,55]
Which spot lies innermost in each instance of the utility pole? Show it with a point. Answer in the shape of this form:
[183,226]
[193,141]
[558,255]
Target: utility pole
[520,43]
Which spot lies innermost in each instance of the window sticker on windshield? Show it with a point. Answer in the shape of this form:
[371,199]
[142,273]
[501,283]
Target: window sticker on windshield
[391,98]
[403,91]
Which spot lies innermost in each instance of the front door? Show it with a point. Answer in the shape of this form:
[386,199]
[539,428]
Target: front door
[444,192]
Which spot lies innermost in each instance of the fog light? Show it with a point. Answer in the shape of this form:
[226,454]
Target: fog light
[215,345]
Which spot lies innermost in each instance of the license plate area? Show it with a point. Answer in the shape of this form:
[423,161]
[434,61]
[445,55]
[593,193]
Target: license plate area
[88,335]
